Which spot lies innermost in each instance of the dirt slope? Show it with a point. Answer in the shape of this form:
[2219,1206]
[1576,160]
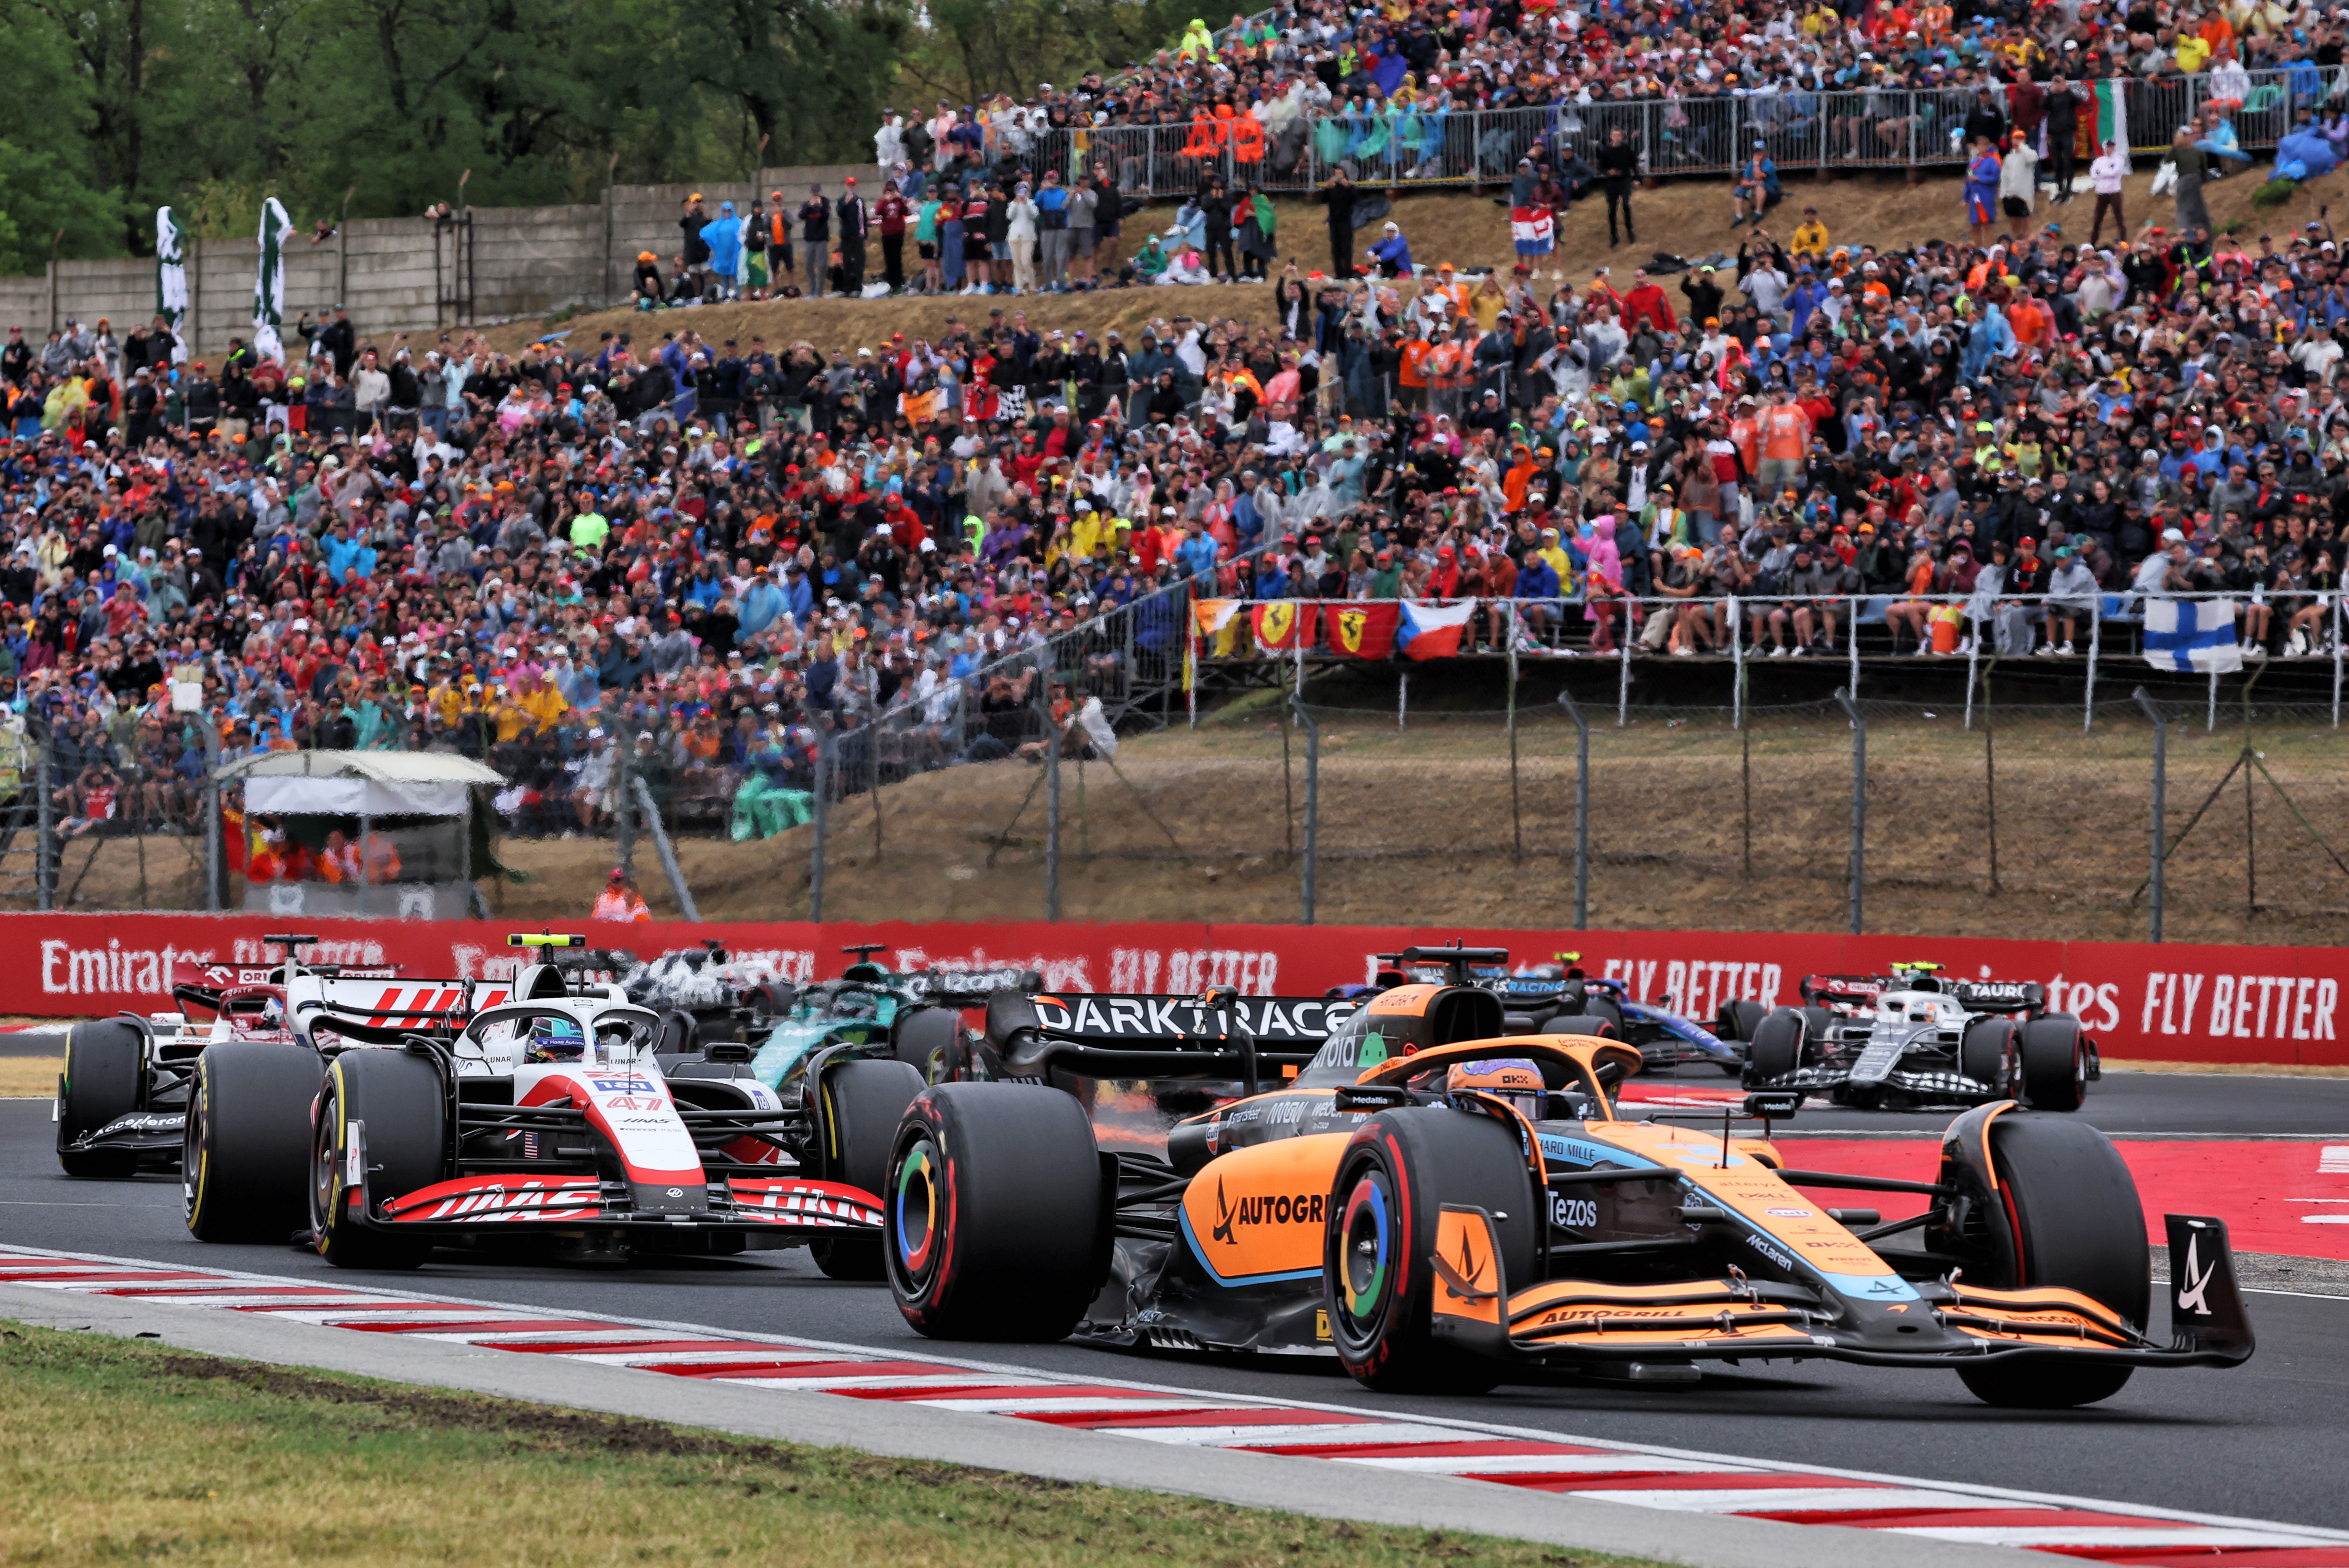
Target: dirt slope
[1691,217]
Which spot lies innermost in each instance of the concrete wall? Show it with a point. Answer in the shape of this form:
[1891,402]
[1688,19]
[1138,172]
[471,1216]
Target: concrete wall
[402,275]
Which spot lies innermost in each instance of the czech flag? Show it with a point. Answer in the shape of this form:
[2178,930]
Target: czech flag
[1534,230]
[1360,630]
[1278,626]
[1434,630]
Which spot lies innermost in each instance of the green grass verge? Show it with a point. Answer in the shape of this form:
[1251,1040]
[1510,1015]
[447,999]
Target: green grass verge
[119,1451]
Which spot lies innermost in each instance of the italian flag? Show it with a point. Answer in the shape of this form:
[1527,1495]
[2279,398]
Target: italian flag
[2112,116]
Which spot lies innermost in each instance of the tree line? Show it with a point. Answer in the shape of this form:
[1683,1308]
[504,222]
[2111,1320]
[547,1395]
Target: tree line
[379,107]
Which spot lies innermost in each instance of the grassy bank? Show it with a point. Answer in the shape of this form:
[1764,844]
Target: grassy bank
[29,1077]
[121,1451]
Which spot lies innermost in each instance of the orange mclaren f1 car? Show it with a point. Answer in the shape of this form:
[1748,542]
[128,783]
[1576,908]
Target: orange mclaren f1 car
[1442,1208]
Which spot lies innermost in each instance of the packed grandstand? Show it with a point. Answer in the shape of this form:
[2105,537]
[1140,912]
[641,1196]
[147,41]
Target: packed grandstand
[718,553]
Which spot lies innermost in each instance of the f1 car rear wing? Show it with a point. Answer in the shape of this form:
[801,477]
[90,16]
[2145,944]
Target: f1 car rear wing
[1218,1033]
[1988,996]
[203,985]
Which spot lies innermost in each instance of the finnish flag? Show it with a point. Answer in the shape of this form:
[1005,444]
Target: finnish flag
[2191,636]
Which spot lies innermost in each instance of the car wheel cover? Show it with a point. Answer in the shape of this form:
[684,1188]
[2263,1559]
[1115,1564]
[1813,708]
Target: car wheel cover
[1366,1239]
[914,1208]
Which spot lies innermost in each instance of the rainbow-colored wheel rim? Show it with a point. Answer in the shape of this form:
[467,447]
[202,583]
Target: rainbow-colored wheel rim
[1365,1233]
[917,1200]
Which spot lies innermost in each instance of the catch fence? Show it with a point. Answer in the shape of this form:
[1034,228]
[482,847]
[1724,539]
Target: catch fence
[1406,146]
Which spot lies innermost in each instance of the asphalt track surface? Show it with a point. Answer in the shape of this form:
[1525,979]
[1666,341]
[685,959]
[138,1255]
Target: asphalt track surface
[2262,1441]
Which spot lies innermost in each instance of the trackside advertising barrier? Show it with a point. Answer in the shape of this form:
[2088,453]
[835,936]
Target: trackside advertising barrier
[2171,1002]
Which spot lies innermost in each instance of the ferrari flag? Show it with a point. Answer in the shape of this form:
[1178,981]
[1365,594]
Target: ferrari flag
[1360,630]
[1278,626]
[1534,230]
[1434,630]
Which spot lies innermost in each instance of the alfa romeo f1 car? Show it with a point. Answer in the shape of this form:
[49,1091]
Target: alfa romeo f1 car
[1916,1040]
[1441,1206]
[122,1100]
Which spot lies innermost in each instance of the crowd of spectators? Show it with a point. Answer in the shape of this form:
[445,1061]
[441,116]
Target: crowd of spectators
[704,553]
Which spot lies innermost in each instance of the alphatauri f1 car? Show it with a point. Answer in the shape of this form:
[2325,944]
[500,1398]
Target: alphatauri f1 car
[1440,1205]
[1915,1040]
[122,1100]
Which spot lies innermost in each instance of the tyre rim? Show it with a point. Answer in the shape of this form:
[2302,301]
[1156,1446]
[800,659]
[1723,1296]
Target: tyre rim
[192,1152]
[1365,1233]
[914,1208]
[322,1169]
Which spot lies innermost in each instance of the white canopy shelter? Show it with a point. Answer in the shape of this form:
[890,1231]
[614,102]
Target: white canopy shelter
[358,783]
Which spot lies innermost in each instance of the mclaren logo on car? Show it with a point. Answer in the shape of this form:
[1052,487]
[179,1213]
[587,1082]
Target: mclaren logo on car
[2194,1284]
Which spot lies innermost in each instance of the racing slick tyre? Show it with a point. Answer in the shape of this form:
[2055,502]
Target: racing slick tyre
[1739,1019]
[925,1039]
[1816,1022]
[1986,1054]
[995,1214]
[398,1099]
[857,1113]
[106,1064]
[2054,1063]
[1377,1272]
[1598,1006]
[244,1160]
[2078,1225]
[1777,1046]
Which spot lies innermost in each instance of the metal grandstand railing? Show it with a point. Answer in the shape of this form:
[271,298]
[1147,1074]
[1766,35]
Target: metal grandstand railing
[1405,145]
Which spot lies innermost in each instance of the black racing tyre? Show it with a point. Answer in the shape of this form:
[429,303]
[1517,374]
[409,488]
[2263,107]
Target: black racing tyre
[1817,1021]
[924,1039]
[1580,1023]
[857,1112]
[2054,1063]
[105,1077]
[995,1223]
[1777,1046]
[398,1097]
[1597,1005]
[1397,1173]
[1740,1018]
[244,1161]
[2079,1226]
[1986,1054]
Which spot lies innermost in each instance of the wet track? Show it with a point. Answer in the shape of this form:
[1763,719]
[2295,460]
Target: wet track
[2265,1440]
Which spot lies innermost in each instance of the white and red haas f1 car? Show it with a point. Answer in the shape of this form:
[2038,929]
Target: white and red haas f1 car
[551,1122]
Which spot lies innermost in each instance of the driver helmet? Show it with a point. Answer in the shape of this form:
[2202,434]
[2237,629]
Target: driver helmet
[273,1014]
[1512,1078]
[554,1038]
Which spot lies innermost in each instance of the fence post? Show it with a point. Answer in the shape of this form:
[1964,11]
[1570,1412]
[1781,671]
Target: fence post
[1736,666]
[45,846]
[1623,679]
[216,883]
[674,872]
[1403,701]
[366,829]
[1582,809]
[1859,801]
[1052,810]
[1851,608]
[623,805]
[1516,813]
[2336,659]
[2095,635]
[815,854]
[1312,799]
[2160,798]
